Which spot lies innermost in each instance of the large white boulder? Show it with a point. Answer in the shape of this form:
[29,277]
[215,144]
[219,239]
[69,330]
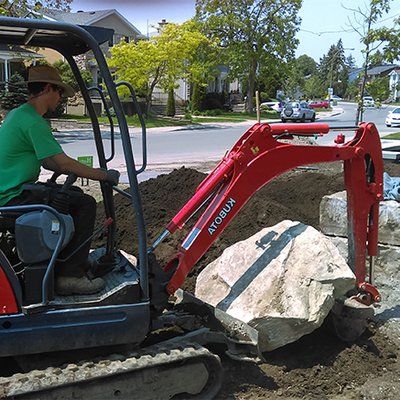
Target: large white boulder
[282,281]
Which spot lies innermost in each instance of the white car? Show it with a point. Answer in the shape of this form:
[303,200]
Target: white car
[368,101]
[393,117]
[275,105]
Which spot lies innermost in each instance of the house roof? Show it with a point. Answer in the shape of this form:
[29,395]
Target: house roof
[355,71]
[89,17]
[381,69]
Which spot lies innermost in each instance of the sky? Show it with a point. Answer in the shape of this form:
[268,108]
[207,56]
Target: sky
[324,22]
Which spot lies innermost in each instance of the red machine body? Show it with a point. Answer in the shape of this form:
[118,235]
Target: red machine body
[7,295]
[258,157]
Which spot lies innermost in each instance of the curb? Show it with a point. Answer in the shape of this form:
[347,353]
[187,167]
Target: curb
[78,125]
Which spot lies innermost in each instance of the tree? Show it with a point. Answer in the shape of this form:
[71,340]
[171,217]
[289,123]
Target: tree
[67,75]
[351,62]
[381,43]
[14,94]
[271,78]
[161,60]
[313,88]
[352,90]
[21,8]
[306,65]
[251,32]
[379,88]
[197,97]
[334,69]
[304,79]
[294,82]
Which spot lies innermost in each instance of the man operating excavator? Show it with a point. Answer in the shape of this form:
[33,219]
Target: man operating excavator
[26,145]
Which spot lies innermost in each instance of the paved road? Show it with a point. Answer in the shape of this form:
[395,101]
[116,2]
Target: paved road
[167,148]
[174,147]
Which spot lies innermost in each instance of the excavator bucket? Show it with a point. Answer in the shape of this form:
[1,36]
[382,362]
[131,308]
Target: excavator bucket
[240,338]
[350,319]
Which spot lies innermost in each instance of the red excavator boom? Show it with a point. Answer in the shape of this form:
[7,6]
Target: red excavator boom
[259,156]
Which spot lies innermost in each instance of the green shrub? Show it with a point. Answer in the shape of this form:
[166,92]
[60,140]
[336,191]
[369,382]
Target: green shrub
[170,109]
[197,97]
[212,101]
[213,113]
[14,94]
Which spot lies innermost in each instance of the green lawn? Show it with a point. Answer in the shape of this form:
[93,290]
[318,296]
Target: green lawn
[156,122]
[235,117]
[151,122]
[392,136]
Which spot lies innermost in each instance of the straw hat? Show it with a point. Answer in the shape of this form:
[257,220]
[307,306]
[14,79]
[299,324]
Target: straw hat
[47,74]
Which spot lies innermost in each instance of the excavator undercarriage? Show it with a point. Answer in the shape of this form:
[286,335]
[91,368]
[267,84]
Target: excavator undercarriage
[159,371]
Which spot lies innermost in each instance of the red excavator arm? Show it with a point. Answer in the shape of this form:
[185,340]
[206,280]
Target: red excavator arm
[258,157]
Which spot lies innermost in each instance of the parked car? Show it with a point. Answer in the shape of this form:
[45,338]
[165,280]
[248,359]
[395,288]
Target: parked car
[297,111]
[368,101]
[334,97]
[319,104]
[274,105]
[393,117]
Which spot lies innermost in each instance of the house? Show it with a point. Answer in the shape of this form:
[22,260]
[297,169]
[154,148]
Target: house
[12,59]
[112,19]
[393,72]
[380,71]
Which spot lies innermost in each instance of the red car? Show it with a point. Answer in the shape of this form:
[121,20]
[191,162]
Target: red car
[318,104]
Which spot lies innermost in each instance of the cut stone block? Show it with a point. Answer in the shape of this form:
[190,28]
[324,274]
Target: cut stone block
[387,270]
[333,218]
[282,281]
[385,260]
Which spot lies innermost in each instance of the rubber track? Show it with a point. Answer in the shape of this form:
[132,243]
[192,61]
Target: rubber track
[35,384]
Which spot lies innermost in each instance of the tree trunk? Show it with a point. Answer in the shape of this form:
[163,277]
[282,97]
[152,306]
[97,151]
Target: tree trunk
[249,106]
[150,91]
[148,105]
[360,106]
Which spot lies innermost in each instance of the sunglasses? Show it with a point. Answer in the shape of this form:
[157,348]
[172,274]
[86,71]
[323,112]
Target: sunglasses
[60,90]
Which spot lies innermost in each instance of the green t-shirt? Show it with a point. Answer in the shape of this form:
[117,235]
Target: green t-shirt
[25,140]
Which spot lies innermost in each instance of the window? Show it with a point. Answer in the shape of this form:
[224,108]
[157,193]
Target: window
[111,42]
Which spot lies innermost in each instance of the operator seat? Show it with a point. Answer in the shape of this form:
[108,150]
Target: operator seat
[28,238]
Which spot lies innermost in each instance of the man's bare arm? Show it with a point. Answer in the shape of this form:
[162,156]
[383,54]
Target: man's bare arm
[64,164]
[50,164]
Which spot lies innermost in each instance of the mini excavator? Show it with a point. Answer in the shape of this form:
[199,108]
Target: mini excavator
[119,342]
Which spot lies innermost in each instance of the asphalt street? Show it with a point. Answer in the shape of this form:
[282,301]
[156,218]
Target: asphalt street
[198,146]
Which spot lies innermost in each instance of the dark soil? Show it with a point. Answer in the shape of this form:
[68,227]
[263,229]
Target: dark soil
[318,366]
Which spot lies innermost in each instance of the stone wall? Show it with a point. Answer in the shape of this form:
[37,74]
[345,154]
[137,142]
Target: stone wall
[64,124]
[333,222]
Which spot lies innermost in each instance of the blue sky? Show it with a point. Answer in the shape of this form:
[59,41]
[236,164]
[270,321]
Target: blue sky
[324,22]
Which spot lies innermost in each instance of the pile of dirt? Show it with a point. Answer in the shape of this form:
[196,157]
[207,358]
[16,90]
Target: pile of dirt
[295,195]
[318,366]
